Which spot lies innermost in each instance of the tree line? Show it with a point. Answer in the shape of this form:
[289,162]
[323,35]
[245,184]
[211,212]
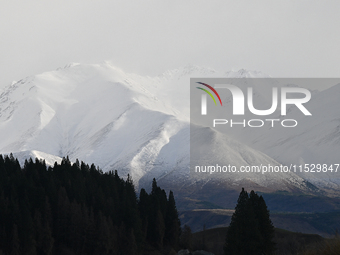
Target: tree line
[77,209]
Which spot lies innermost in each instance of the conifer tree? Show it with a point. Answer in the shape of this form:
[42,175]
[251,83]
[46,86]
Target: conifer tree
[186,238]
[265,226]
[15,242]
[172,223]
[250,230]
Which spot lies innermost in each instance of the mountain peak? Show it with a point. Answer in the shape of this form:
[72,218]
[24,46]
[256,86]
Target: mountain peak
[244,73]
[116,120]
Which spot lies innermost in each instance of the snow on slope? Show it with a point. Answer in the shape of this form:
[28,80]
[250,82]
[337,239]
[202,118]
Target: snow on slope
[95,113]
[49,159]
[316,139]
[138,125]
[223,150]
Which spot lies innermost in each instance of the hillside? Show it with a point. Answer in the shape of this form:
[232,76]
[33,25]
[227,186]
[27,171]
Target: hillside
[140,126]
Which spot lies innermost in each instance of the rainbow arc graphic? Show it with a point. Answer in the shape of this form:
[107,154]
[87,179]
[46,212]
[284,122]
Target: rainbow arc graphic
[209,93]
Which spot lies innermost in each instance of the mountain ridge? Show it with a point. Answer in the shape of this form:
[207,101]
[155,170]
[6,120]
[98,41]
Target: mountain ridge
[136,124]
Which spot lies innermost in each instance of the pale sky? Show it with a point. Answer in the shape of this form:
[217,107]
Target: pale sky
[286,38]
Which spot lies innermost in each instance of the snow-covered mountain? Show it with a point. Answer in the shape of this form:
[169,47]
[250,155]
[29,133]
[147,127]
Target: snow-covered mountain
[140,126]
[316,139]
[95,113]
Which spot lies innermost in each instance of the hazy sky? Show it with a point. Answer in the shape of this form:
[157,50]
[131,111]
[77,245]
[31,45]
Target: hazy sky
[281,38]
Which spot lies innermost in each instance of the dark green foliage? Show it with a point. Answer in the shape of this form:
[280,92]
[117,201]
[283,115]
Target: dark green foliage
[265,225]
[287,243]
[172,223]
[186,238]
[251,230]
[78,209]
[160,222]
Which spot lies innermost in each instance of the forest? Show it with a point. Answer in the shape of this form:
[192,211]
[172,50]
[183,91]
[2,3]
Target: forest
[74,208]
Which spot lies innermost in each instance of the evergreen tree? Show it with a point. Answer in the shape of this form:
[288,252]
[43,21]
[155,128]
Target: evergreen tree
[15,243]
[156,215]
[158,231]
[172,223]
[144,208]
[132,248]
[186,238]
[266,227]
[250,230]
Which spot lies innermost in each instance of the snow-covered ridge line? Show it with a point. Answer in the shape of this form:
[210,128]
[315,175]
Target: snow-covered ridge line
[139,125]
